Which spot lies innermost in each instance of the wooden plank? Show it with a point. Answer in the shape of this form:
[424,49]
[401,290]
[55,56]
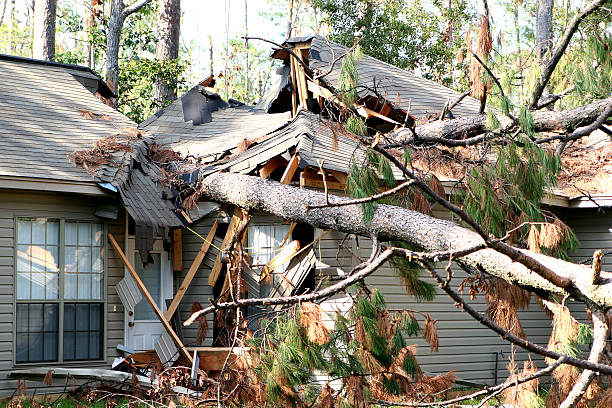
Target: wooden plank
[302,80]
[213,358]
[231,231]
[177,250]
[192,271]
[290,170]
[283,256]
[368,113]
[272,164]
[341,177]
[294,103]
[316,182]
[148,297]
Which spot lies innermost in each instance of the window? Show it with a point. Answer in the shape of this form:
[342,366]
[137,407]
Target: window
[263,244]
[59,290]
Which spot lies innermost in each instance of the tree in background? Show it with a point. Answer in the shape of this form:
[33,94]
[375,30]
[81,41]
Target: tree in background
[168,31]
[44,30]
[404,33]
[118,14]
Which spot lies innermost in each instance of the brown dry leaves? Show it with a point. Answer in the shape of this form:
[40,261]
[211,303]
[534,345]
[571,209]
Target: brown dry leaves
[503,301]
[102,150]
[430,333]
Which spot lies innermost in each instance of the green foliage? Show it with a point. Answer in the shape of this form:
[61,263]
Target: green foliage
[289,358]
[527,123]
[407,34]
[505,194]
[492,121]
[137,78]
[409,272]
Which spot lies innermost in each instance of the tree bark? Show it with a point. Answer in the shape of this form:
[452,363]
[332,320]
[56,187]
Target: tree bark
[44,30]
[168,29]
[544,30]
[396,223]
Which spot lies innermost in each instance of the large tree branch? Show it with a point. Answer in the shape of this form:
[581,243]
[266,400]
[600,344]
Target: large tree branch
[559,50]
[395,223]
[134,7]
[470,130]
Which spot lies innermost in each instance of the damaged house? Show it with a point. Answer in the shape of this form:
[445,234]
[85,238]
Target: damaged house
[73,293]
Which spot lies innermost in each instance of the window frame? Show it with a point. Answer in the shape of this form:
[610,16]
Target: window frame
[62,218]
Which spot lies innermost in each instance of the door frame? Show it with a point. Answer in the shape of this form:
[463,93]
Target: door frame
[167,281]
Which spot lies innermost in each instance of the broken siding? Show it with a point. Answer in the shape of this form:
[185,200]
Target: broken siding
[51,205]
[199,290]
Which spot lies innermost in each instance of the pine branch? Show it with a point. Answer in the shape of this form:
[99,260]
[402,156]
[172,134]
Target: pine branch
[527,345]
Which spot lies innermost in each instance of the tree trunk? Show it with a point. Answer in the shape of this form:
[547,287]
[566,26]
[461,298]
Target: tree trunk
[544,29]
[211,55]
[4,3]
[118,14]
[44,30]
[289,19]
[168,29]
[396,223]
[115,24]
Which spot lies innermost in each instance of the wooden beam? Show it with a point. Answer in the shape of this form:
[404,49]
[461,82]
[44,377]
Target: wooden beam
[192,271]
[294,86]
[312,180]
[341,177]
[150,299]
[368,113]
[177,250]
[284,255]
[272,164]
[229,235]
[290,170]
[301,76]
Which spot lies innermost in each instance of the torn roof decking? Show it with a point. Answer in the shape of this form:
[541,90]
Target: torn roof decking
[212,140]
[313,137]
[417,95]
[41,122]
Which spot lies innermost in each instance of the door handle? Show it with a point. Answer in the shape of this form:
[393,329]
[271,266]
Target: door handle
[131,324]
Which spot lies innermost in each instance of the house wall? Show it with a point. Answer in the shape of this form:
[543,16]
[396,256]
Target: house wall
[13,203]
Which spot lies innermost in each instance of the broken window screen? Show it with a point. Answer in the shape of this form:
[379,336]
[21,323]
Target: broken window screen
[49,252]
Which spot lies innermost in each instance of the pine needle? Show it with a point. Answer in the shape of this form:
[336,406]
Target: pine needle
[419,203]
[312,318]
[430,333]
[533,239]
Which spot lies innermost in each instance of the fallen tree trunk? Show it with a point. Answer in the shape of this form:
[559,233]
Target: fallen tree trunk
[396,223]
[458,129]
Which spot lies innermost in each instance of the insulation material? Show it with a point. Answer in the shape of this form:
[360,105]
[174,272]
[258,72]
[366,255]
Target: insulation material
[128,292]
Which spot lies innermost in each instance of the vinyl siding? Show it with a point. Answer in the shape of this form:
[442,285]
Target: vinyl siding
[14,204]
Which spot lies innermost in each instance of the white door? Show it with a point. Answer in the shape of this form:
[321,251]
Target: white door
[142,325]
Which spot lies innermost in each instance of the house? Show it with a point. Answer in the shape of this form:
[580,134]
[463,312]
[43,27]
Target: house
[294,153]
[59,306]
[68,298]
